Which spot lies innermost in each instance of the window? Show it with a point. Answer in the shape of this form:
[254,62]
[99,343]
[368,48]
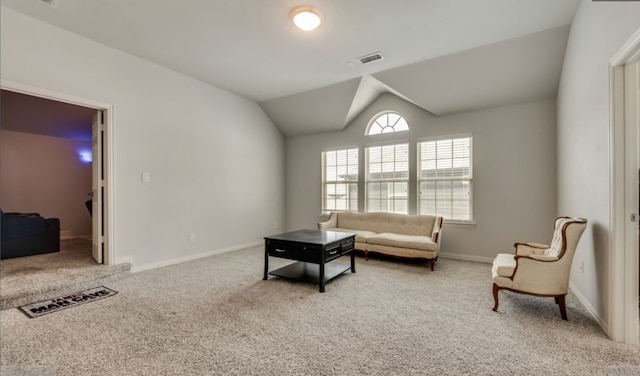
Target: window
[387,122]
[445,173]
[387,178]
[340,180]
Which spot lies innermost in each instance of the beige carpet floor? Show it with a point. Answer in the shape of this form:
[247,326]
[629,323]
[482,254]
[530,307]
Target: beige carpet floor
[216,316]
[31,279]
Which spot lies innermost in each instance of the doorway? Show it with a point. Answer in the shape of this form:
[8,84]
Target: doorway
[624,245]
[101,137]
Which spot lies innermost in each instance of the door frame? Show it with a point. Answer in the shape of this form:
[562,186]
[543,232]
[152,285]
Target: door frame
[109,256]
[623,206]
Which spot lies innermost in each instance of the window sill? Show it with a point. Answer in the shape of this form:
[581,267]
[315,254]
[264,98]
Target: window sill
[461,224]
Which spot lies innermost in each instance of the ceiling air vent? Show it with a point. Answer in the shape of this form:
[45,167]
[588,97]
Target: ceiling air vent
[51,3]
[371,58]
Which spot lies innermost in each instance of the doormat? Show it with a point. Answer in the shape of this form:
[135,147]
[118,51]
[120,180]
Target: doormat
[57,304]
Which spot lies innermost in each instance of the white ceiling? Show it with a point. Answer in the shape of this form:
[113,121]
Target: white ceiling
[444,55]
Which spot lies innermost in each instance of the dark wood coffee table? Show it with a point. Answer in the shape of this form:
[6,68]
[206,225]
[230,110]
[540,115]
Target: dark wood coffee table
[313,250]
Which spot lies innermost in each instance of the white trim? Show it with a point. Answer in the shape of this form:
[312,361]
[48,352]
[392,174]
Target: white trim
[465,257]
[338,148]
[398,141]
[193,257]
[623,169]
[124,260]
[375,117]
[109,151]
[445,137]
[456,223]
[592,311]
[51,94]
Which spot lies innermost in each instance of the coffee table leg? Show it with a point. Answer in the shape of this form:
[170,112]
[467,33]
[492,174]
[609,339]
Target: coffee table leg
[353,261]
[266,263]
[322,277]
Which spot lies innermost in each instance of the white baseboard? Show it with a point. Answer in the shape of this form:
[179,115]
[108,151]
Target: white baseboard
[592,311]
[189,258]
[125,260]
[65,234]
[459,256]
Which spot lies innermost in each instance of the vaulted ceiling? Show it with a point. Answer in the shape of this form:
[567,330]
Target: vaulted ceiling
[445,56]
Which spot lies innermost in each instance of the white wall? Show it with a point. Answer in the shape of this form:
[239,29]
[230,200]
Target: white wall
[514,171]
[598,31]
[45,175]
[216,161]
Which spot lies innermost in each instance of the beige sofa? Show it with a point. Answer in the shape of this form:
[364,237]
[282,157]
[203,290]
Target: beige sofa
[410,236]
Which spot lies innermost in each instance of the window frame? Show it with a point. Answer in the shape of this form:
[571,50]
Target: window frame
[368,181]
[325,183]
[377,116]
[469,178]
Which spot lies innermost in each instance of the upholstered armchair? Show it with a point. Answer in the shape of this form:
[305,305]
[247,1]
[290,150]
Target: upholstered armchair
[538,269]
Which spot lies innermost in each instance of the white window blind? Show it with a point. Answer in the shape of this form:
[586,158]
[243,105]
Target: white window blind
[340,180]
[387,178]
[445,178]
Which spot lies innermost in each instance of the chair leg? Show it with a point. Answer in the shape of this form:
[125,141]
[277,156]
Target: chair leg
[432,262]
[495,297]
[563,308]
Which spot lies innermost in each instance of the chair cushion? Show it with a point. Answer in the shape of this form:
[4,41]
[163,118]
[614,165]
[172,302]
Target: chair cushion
[361,235]
[403,241]
[555,249]
[504,264]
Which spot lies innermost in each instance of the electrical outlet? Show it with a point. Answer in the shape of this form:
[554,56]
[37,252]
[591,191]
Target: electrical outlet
[192,237]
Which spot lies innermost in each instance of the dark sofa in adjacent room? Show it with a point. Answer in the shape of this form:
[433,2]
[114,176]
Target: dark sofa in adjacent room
[27,234]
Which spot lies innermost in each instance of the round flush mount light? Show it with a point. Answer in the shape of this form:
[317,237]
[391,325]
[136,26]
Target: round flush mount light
[305,18]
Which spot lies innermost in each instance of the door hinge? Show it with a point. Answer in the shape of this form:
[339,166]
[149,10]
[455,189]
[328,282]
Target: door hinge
[634,217]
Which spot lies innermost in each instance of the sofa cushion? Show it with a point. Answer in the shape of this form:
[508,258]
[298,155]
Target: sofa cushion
[403,241]
[387,222]
[504,265]
[361,235]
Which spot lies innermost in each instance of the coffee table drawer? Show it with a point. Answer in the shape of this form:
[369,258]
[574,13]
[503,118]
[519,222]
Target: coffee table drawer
[280,249]
[332,252]
[307,253]
[347,245]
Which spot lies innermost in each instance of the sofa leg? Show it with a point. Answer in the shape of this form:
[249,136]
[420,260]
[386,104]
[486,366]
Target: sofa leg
[563,308]
[495,297]
[432,262]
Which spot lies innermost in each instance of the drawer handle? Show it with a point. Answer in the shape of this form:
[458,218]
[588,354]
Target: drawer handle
[333,252]
[280,250]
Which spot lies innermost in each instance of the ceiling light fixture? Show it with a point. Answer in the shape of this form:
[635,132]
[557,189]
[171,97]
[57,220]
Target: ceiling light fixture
[305,18]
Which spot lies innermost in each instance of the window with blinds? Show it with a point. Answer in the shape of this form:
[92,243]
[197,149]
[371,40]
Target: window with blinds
[445,178]
[387,178]
[340,180]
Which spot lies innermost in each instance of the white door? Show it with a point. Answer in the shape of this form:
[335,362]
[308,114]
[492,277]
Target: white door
[97,187]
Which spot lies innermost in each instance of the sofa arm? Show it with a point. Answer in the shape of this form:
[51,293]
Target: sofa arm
[436,233]
[526,249]
[332,222]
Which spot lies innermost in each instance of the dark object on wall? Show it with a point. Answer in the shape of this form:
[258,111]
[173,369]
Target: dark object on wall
[27,234]
[89,205]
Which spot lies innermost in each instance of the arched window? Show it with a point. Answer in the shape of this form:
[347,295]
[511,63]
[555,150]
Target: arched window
[387,122]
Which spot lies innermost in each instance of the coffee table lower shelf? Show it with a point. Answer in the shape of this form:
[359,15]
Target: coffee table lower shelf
[309,272]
